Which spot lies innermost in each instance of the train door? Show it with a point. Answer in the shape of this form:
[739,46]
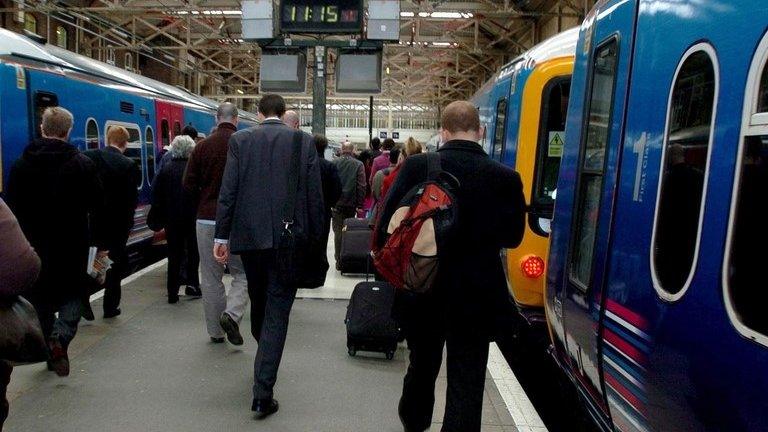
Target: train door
[608,48]
[170,118]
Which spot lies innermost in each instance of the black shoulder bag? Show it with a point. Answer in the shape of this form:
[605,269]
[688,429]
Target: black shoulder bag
[300,259]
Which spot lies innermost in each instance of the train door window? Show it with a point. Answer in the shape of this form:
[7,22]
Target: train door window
[91,134]
[591,170]
[554,109]
[43,100]
[745,296]
[682,185]
[133,150]
[500,130]
[149,146]
[165,133]
[176,129]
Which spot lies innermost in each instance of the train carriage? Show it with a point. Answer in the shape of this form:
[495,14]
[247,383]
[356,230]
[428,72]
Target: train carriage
[654,295]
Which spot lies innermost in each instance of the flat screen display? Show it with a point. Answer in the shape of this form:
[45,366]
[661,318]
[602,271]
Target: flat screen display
[281,72]
[358,73]
[321,16]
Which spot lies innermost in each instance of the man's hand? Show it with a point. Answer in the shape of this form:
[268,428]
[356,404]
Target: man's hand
[221,253]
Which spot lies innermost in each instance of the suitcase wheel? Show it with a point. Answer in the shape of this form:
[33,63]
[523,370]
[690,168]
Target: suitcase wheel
[390,355]
[352,351]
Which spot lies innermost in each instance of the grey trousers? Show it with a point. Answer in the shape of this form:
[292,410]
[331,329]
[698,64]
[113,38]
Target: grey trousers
[216,299]
[270,309]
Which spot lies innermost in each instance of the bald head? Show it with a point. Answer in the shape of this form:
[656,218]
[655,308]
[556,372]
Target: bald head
[291,118]
[461,121]
[347,148]
[226,113]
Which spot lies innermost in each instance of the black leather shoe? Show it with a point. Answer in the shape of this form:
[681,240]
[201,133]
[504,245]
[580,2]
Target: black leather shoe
[230,327]
[173,299]
[193,291]
[264,408]
[87,311]
[112,313]
[59,361]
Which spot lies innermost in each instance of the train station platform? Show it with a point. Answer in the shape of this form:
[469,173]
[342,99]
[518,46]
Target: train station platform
[154,369]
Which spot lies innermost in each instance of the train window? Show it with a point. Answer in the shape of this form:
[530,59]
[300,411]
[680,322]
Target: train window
[554,108]
[165,133]
[149,146]
[762,101]
[594,145]
[685,158]
[43,100]
[500,130]
[91,134]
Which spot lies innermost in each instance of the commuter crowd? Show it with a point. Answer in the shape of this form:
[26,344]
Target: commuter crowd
[259,204]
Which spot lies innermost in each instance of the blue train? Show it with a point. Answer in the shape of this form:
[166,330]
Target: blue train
[653,296]
[34,76]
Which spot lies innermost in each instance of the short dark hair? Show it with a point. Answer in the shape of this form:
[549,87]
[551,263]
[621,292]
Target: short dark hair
[375,143]
[272,105]
[388,144]
[321,143]
[394,154]
[189,131]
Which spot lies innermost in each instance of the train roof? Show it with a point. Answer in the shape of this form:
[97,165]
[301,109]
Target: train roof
[15,44]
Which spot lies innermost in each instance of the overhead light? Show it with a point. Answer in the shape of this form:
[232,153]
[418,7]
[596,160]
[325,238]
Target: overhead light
[423,14]
[446,15]
[407,14]
[239,91]
[387,70]
[441,44]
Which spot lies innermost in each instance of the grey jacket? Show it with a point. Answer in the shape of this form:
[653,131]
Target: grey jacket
[352,174]
[254,188]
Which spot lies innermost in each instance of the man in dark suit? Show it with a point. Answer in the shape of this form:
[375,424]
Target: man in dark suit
[329,175]
[249,222]
[121,178]
[470,298]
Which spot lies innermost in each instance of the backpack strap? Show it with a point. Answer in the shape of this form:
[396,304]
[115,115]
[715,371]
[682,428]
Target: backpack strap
[434,168]
[293,180]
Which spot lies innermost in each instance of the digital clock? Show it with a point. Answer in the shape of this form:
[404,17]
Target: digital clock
[325,16]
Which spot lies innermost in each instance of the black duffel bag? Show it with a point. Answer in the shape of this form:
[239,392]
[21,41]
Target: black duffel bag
[21,338]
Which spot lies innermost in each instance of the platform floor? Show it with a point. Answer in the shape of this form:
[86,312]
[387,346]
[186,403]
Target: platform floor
[153,369]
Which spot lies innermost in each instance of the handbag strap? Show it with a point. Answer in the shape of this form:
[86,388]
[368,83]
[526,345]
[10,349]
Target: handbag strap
[293,180]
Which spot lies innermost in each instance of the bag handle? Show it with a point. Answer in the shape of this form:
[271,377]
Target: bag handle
[293,180]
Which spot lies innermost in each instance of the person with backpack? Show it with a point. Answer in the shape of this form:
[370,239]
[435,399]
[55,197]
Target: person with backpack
[438,238]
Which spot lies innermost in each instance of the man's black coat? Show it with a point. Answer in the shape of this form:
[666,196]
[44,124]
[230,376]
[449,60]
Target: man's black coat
[471,282]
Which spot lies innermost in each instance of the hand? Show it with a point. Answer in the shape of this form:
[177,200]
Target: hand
[221,253]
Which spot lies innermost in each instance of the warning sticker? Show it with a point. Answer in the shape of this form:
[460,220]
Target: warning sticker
[21,79]
[556,143]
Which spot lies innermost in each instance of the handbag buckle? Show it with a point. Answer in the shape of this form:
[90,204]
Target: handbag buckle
[287,224]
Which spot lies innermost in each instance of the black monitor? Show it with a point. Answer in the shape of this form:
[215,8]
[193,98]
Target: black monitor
[283,72]
[359,72]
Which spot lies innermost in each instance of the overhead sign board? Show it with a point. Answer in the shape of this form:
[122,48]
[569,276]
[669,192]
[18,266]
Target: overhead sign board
[321,16]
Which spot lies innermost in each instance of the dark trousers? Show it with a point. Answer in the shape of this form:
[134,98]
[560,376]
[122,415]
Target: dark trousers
[339,214]
[182,243]
[64,327]
[115,275]
[467,357]
[270,310]
[5,378]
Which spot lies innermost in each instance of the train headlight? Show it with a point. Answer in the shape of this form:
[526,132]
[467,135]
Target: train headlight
[532,266]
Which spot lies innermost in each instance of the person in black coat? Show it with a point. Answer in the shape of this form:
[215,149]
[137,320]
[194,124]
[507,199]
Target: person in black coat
[121,178]
[329,177]
[57,196]
[469,302]
[174,209]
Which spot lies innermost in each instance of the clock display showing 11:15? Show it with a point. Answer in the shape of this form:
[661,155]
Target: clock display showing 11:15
[319,14]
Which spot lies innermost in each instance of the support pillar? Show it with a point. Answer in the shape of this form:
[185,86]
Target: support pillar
[318,92]
[370,121]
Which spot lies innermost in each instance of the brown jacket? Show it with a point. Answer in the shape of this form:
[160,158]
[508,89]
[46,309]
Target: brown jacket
[19,264]
[206,169]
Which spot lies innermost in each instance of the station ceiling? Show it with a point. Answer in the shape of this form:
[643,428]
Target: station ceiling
[447,48]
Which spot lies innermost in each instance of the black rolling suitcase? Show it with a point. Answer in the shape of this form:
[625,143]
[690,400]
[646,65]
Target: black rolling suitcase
[370,326]
[355,246]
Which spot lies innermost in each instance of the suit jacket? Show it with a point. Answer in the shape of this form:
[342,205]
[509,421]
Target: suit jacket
[329,175]
[254,188]
[57,196]
[471,280]
[120,177]
[353,183]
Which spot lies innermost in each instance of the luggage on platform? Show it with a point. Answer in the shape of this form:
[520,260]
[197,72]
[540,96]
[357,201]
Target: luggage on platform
[370,325]
[355,246]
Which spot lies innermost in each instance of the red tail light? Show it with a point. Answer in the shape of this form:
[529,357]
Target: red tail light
[532,266]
